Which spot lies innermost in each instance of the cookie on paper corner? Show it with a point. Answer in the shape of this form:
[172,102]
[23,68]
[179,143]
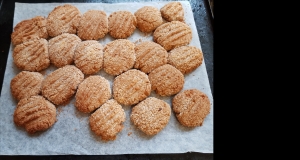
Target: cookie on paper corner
[172,11]
[29,29]
[191,107]
[35,114]
[107,121]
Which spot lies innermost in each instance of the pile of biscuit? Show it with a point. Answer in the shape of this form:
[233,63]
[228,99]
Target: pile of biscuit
[69,40]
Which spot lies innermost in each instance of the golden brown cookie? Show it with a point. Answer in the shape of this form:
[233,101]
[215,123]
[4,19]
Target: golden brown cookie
[26,84]
[119,56]
[60,85]
[121,24]
[151,115]
[172,11]
[166,80]
[32,55]
[148,18]
[185,58]
[149,55]
[88,56]
[29,29]
[131,87]
[191,107]
[63,19]
[93,25]
[107,121]
[172,34]
[62,49]
[92,93]
[35,114]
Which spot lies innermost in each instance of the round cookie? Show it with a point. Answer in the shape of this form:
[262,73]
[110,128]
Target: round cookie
[32,55]
[119,56]
[60,85]
[93,25]
[121,24]
[131,87]
[166,80]
[29,29]
[148,18]
[92,93]
[172,11]
[149,55]
[172,34]
[185,58]
[151,115]
[88,56]
[26,84]
[35,114]
[63,19]
[191,107]
[62,49]
[107,121]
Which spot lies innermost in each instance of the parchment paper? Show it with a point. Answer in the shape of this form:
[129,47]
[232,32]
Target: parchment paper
[71,134]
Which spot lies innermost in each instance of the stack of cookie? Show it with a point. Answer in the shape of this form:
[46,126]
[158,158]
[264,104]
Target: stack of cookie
[68,40]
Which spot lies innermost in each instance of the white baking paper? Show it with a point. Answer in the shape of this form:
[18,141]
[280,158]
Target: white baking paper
[71,134]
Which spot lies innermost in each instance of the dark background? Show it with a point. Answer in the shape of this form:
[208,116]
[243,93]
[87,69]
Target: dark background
[204,23]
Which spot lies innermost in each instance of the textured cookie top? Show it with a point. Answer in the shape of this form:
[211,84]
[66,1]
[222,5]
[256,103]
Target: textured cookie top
[32,55]
[107,121]
[92,93]
[60,85]
[63,19]
[93,25]
[121,24]
[191,107]
[119,56]
[35,114]
[26,84]
[166,80]
[62,49]
[151,115]
[29,29]
[149,55]
[88,56]
[148,18]
[172,34]
[172,11]
[185,58]
[131,87]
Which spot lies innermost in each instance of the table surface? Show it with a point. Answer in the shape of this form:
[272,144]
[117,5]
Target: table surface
[204,23]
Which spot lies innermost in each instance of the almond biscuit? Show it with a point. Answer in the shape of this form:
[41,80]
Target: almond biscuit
[151,115]
[148,18]
[92,93]
[121,24]
[60,85]
[185,58]
[131,87]
[63,19]
[172,34]
[88,56]
[35,114]
[149,55]
[26,84]
[172,11]
[191,107]
[107,121]
[62,49]
[166,80]
[32,55]
[119,56]
[29,29]
[93,25]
